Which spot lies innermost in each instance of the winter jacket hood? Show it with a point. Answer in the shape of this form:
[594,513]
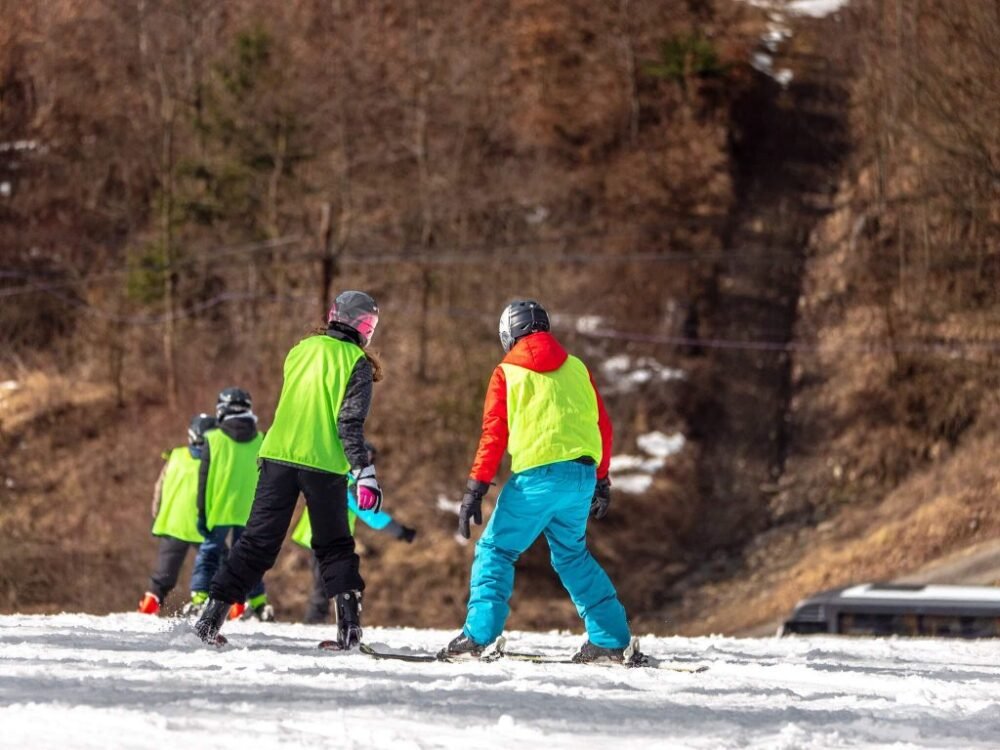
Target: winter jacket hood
[242,428]
[539,352]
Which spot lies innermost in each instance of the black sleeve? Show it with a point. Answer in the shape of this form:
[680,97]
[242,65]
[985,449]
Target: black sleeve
[353,412]
[203,480]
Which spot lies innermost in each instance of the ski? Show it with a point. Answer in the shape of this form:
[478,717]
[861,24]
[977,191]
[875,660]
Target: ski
[649,662]
[498,652]
[418,657]
[634,659]
[490,654]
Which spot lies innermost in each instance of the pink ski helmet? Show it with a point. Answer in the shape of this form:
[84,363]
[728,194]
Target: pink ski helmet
[356,311]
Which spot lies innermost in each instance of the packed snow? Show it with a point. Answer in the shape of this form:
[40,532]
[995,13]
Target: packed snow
[134,681]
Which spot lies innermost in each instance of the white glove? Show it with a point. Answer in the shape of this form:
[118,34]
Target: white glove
[369,493]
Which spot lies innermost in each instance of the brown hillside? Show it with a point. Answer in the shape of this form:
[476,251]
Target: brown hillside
[800,278]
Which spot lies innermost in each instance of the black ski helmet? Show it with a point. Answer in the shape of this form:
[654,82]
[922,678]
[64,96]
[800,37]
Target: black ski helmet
[520,318]
[232,401]
[356,311]
[200,424]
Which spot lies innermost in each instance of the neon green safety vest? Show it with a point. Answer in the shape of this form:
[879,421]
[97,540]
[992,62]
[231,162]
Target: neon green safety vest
[178,513]
[303,533]
[232,479]
[551,416]
[304,432]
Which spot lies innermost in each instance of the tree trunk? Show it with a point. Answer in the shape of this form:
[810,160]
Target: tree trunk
[167,242]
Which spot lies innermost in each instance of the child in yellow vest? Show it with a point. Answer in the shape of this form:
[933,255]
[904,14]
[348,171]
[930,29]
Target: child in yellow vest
[227,480]
[175,513]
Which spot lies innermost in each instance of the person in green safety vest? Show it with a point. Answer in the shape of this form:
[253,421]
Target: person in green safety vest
[175,513]
[543,408]
[227,480]
[316,441]
[318,607]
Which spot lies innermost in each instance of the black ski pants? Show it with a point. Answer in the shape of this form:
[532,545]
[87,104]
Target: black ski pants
[278,490]
[169,560]
[318,606]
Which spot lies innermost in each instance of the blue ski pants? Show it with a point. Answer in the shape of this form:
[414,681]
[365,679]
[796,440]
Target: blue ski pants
[553,500]
[211,553]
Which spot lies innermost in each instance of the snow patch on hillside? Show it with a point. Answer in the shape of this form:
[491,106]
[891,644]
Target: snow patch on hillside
[634,474]
[816,8]
[779,31]
[660,445]
[625,374]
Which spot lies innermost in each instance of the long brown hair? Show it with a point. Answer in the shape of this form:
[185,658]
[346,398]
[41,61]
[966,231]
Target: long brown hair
[378,369]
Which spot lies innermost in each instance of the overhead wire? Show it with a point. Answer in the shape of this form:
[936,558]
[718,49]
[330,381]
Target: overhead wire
[951,348]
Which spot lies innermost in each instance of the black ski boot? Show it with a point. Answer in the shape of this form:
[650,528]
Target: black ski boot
[591,654]
[461,647]
[348,622]
[210,622]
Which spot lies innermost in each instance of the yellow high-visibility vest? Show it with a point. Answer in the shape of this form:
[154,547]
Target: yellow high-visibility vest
[551,416]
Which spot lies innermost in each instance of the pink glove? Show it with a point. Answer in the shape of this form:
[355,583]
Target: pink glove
[368,491]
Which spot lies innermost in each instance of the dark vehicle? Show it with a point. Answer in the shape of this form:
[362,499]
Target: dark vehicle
[883,609]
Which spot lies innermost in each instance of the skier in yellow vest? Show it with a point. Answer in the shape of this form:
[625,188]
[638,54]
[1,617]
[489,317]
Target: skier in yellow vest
[227,480]
[175,513]
[316,440]
[543,407]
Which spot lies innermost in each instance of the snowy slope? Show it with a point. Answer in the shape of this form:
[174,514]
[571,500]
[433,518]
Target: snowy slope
[77,681]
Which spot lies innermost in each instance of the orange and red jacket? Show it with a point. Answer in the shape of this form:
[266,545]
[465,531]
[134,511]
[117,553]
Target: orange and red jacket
[539,352]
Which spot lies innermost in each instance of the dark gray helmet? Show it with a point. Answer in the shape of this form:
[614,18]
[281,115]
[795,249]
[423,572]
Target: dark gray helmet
[200,424]
[357,311]
[232,401]
[519,319]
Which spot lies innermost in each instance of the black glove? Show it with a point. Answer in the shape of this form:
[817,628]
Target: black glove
[472,506]
[602,499]
[406,534]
